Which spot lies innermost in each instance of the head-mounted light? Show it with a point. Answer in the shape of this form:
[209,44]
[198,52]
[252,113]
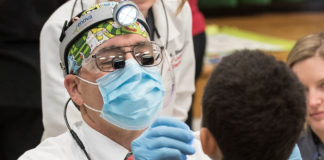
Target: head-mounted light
[125,13]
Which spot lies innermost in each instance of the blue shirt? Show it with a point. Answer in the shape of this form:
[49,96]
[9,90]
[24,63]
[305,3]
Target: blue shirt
[295,155]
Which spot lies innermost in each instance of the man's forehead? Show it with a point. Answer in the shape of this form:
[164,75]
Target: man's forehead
[121,41]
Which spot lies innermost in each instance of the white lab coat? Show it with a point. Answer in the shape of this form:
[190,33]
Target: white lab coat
[98,146]
[180,47]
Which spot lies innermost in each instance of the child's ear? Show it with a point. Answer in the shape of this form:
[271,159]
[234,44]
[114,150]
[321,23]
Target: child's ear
[209,144]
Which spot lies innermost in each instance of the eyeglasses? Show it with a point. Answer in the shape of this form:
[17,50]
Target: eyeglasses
[145,53]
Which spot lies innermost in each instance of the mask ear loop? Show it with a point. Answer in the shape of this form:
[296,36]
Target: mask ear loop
[82,79]
[74,135]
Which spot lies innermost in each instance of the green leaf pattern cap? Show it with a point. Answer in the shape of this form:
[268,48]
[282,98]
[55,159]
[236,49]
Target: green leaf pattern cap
[82,47]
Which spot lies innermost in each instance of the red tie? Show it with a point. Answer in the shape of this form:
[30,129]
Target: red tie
[129,156]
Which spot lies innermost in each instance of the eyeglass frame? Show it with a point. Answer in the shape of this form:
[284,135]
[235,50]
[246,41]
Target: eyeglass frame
[123,53]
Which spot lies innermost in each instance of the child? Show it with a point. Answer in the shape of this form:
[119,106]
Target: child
[253,109]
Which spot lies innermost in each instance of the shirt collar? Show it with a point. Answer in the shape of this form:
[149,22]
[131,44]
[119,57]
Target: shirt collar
[100,147]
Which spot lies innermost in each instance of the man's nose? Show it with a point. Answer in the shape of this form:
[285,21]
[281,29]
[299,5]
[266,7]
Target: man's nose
[128,55]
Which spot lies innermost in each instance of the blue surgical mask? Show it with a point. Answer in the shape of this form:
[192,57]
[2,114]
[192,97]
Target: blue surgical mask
[132,96]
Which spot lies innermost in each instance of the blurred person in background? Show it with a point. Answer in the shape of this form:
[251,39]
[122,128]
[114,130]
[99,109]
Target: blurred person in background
[307,60]
[20,92]
[199,35]
[199,41]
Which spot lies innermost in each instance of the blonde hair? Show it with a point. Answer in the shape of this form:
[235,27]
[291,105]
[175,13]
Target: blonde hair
[182,3]
[306,47]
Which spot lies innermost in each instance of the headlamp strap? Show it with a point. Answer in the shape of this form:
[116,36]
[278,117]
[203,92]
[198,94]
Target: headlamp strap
[65,26]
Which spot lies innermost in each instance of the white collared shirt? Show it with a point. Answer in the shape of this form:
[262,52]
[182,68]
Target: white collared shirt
[64,147]
[98,146]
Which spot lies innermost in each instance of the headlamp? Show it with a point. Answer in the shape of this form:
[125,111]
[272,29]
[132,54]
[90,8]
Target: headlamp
[123,14]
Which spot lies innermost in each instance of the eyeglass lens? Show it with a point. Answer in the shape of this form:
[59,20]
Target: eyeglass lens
[146,54]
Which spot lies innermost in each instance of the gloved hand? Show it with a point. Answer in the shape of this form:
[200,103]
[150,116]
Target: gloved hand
[165,139]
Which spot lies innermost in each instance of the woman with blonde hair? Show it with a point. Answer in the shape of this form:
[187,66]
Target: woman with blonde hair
[307,60]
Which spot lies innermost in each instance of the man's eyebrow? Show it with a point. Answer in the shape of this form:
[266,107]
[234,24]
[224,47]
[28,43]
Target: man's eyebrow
[115,47]
[140,42]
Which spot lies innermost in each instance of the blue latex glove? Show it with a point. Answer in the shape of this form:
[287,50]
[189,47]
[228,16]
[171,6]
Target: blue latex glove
[295,155]
[166,139]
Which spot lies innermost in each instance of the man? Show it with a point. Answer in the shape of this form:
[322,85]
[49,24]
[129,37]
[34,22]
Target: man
[253,108]
[112,73]
[167,27]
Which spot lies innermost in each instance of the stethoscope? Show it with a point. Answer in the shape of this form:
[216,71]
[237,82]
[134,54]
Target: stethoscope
[73,133]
